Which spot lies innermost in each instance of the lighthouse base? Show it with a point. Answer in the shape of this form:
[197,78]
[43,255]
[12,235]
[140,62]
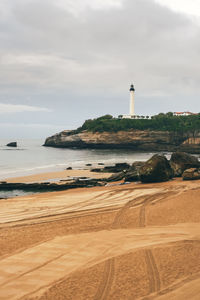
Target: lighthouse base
[133,117]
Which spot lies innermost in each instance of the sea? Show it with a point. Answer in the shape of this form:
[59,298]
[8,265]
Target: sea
[30,157]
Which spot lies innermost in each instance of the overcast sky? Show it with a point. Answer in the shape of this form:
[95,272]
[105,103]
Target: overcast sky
[64,61]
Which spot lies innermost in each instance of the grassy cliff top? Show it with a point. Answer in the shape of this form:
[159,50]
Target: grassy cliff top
[163,122]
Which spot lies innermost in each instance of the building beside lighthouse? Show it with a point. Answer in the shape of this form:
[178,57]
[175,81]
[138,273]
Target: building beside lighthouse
[132,114]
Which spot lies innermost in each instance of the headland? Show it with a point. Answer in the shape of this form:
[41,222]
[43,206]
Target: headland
[164,132]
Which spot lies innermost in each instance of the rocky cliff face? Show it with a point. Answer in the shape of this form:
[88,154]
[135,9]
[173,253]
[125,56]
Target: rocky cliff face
[134,139]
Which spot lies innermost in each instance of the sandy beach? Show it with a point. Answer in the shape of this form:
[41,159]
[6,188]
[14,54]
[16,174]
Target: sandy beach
[133,241]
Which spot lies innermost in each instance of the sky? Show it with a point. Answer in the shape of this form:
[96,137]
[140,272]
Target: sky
[65,61]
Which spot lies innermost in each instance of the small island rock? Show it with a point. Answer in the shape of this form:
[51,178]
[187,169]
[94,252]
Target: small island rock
[12,144]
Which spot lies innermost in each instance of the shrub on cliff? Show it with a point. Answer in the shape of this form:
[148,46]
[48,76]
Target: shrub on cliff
[163,122]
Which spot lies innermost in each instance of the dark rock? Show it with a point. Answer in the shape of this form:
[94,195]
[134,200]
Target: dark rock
[116,177]
[191,174]
[101,164]
[132,176]
[97,170]
[156,169]
[12,144]
[111,169]
[119,167]
[88,165]
[122,165]
[138,164]
[45,187]
[69,168]
[181,161]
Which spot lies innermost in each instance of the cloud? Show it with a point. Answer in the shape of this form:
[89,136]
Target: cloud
[79,57]
[187,7]
[79,7]
[17,108]
[107,48]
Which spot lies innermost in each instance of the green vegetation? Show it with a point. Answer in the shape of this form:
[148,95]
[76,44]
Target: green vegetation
[163,122]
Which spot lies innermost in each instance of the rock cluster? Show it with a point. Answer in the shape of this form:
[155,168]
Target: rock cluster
[158,169]
[182,161]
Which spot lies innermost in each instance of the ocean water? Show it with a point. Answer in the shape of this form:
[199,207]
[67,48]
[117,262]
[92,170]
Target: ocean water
[31,157]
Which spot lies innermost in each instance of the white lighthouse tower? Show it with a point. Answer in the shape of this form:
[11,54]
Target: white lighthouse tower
[132,107]
[132,100]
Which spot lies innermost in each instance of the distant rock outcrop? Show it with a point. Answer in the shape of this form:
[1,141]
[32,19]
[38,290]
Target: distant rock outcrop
[156,169]
[137,140]
[12,144]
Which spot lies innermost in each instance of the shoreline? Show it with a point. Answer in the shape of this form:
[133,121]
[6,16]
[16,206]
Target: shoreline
[49,182]
[56,176]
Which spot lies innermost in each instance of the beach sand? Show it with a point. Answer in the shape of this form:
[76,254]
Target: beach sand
[134,241]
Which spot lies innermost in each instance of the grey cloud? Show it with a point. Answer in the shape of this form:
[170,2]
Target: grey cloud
[49,53]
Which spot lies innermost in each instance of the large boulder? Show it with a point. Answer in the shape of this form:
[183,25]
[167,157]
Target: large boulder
[12,144]
[191,174]
[156,169]
[181,161]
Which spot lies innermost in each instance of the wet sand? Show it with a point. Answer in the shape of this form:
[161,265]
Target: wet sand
[131,241]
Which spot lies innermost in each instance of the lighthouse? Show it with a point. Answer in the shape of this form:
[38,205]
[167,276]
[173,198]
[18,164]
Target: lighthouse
[132,101]
[132,108]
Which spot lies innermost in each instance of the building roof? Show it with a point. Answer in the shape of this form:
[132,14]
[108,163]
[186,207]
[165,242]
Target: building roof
[185,112]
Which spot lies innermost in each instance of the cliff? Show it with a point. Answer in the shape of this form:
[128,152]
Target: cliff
[137,140]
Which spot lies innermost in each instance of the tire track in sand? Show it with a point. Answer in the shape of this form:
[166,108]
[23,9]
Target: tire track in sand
[173,287]
[109,266]
[105,285]
[107,280]
[152,270]
[142,216]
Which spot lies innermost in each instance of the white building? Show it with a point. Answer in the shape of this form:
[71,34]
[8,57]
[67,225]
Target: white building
[184,113]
